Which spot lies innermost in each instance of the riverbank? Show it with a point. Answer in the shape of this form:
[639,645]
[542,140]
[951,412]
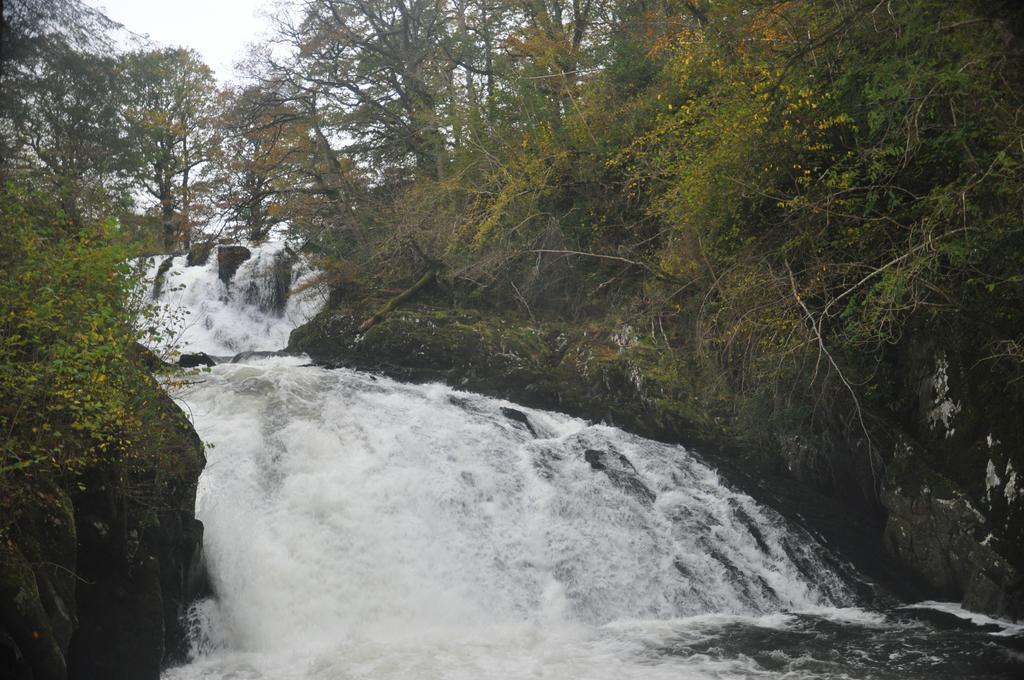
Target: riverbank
[98,569]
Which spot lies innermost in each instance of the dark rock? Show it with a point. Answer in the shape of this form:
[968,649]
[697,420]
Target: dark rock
[242,357]
[24,619]
[199,254]
[952,490]
[195,359]
[229,259]
[604,460]
[594,458]
[752,527]
[183,577]
[518,416]
[161,275]
[38,585]
[936,530]
[12,663]
[461,402]
[138,564]
[122,622]
[620,471]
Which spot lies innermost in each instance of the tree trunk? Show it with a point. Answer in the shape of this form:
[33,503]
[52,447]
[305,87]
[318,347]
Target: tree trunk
[391,304]
[168,222]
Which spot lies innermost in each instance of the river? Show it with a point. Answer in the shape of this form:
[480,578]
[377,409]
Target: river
[357,527]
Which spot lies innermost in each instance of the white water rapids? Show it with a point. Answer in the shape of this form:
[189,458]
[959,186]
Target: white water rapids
[198,312]
[357,527]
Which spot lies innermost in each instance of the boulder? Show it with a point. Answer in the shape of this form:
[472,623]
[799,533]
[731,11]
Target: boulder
[520,418]
[161,275]
[620,471]
[937,531]
[199,254]
[229,259]
[251,355]
[194,359]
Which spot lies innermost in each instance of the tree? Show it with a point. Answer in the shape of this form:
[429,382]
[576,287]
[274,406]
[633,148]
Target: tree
[372,70]
[60,122]
[266,152]
[170,105]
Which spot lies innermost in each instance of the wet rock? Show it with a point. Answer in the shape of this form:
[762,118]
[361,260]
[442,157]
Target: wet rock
[952,491]
[161,275]
[519,417]
[545,462]
[604,460]
[280,282]
[936,530]
[195,359]
[461,402]
[199,254]
[138,566]
[242,357]
[620,471]
[229,259]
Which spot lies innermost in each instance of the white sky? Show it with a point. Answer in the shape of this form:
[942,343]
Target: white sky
[218,29]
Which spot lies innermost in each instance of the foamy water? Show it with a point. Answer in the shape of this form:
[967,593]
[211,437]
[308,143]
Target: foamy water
[202,313]
[357,527]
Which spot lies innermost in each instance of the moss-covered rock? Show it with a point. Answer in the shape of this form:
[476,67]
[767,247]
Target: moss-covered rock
[37,584]
[582,370]
[139,547]
[96,574]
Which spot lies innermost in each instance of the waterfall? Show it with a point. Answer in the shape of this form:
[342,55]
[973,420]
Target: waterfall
[357,527]
[206,307]
[346,512]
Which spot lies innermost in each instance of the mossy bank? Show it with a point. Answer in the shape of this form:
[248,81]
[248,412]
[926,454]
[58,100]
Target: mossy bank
[96,570]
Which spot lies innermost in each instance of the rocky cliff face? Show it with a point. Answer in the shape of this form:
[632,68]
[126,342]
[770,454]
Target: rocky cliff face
[94,580]
[952,491]
[958,538]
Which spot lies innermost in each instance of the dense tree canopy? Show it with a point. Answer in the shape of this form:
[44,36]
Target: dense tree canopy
[780,187]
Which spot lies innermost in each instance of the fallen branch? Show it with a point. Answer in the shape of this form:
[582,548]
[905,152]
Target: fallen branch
[391,304]
[658,273]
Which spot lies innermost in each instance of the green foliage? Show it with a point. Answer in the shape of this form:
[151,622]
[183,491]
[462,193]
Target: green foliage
[71,396]
[167,101]
[784,188]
